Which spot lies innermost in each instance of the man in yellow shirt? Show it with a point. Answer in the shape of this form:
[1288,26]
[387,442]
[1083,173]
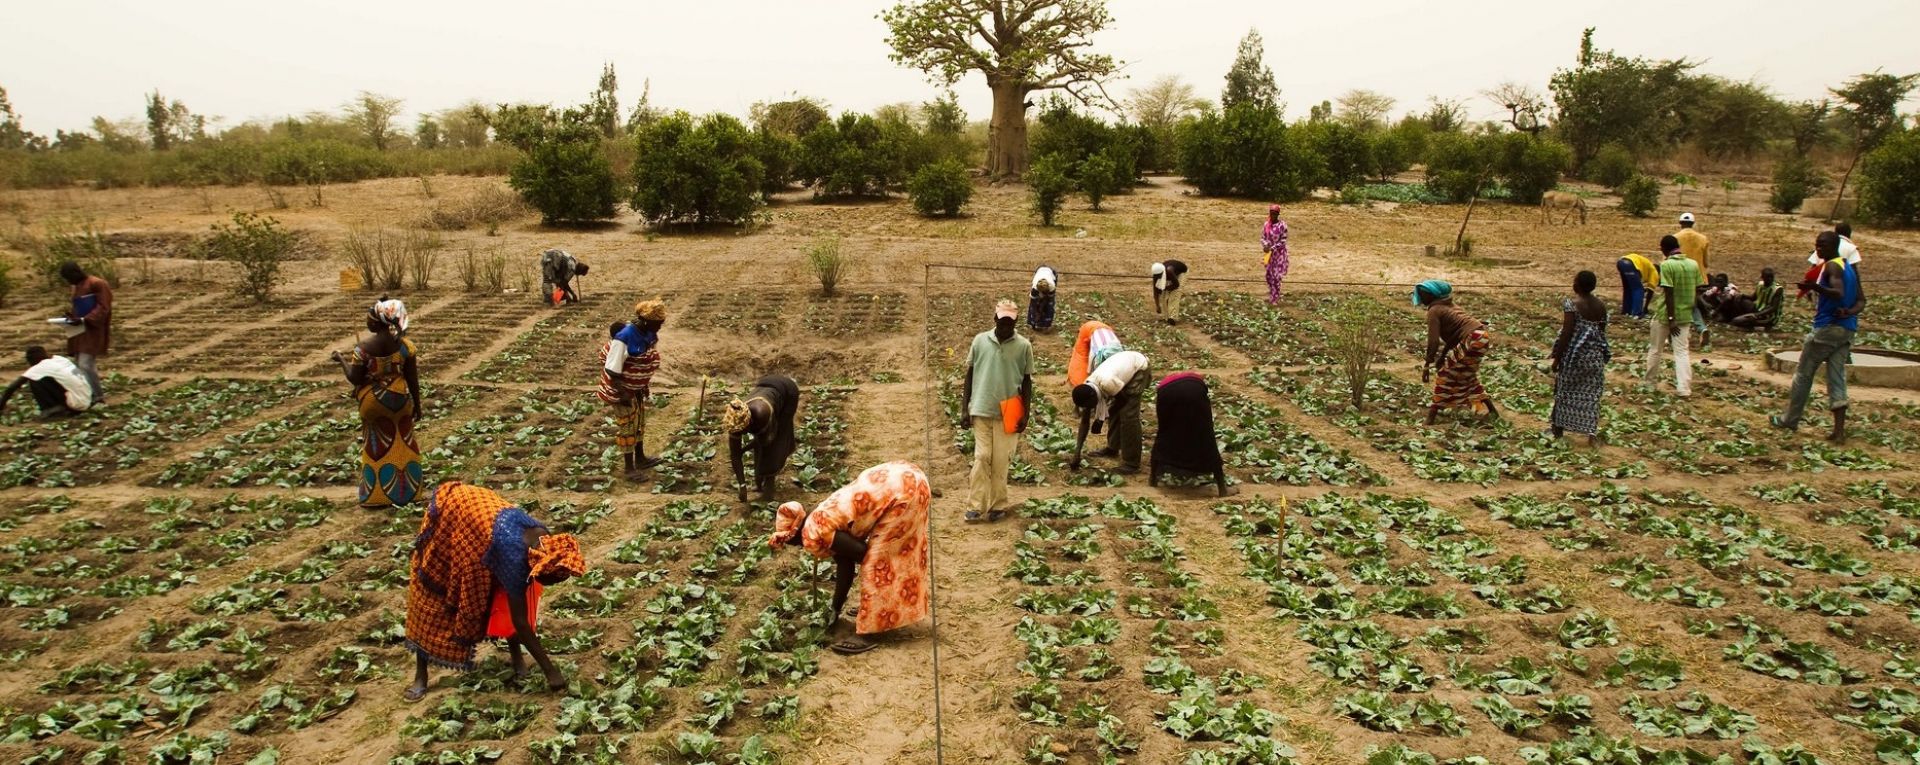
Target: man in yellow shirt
[1638,280]
[1695,245]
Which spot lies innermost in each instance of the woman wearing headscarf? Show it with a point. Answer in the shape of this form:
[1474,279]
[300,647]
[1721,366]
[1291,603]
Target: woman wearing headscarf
[1273,241]
[479,564]
[766,416]
[1580,359]
[1166,288]
[1096,344]
[877,527]
[385,376]
[628,362]
[1185,445]
[1040,299]
[1456,344]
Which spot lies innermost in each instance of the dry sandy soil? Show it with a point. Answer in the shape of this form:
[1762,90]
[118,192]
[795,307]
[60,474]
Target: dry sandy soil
[226,418]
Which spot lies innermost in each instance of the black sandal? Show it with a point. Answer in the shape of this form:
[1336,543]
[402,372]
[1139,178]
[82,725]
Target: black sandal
[845,648]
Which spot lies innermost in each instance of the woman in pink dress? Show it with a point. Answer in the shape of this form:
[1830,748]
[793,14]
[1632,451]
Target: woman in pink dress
[876,526]
[1273,240]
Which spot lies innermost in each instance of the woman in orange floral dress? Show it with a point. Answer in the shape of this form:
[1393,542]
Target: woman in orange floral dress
[876,525]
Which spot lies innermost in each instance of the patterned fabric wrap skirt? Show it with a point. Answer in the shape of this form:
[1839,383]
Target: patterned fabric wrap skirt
[389,456]
[1457,385]
[629,423]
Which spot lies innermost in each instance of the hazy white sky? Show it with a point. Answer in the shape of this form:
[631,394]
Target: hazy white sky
[64,61]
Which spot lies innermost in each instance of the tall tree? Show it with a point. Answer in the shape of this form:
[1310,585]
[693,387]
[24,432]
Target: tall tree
[603,107]
[1163,103]
[643,112]
[1608,98]
[12,135]
[427,133]
[1363,109]
[1526,108]
[372,115]
[1250,80]
[1871,104]
[1021,46]
[159,122]
[1444,115]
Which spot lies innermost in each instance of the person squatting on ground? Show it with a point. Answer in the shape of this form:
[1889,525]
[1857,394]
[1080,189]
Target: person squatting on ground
[875,527]
[1769,297]
[996,400]
[1580,357]
[1456,344]
[1679,283]
[1638,279]
[1696,246]
[92,311]
[1721,299]
[1166,288]
[478,566]
[1273,241]
[1111,398]
[627,364]
[765,417]
[1185,445]
[385,374]
[1040,297]
[57,386]
[557,269]
[1836,318]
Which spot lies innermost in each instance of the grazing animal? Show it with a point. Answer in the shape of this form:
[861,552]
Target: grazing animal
[1556,200]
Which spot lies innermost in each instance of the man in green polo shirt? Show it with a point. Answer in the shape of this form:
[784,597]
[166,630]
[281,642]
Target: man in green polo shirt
[1673,315]
[999,368]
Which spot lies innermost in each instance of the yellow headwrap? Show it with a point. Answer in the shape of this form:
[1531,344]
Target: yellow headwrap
[651,310]
[557,553]
[787,524]
[737,417]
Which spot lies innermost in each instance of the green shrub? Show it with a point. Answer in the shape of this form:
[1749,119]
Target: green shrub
[78,241]
[1077,137]
[1394,151]
[1530,167]
[852,156]
[1048,182]
[829,263]
[701,173]
[1640,196]
[1459,164]
[564,172]
[1794,179]
[1612,166]
[941,188]
[1346,154]
[258,246]
[1890,181]
[778,155]
[1246,151]
[1099,178]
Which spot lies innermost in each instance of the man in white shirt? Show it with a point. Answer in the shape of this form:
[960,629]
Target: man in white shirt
[1848,252]
[57,385]
[1111,397]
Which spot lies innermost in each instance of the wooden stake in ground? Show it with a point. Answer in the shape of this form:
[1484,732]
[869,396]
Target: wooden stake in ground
[700,406]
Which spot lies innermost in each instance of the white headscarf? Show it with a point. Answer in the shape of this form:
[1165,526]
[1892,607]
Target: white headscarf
[1045,274]
[392,313]
[1159,275]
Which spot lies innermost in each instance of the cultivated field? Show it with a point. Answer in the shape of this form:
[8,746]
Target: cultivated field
[187,578]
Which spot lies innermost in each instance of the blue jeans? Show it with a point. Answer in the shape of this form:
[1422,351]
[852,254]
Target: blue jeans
[1830,345]
[1633,292]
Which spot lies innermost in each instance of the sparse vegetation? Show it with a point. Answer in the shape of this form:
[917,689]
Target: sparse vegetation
[828,261]
[257,246]
[1640,196]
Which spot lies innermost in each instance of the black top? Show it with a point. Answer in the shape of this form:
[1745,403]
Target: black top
[1185,440]
[1175,269]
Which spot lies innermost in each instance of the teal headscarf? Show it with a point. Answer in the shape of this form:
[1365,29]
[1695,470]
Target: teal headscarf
[1432,290]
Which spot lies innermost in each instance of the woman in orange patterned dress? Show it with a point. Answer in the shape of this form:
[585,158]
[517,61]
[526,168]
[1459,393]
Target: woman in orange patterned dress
[386,382]
[478,566]
[876,525]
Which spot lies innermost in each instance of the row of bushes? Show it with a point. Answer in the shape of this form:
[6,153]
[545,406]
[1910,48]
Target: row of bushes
[235,163]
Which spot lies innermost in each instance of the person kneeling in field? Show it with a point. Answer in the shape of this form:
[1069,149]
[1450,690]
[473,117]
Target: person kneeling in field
[478,565]
[57,385]
[1185,445]
[766,416]
[1768,298]
[876,526]
[1111,396]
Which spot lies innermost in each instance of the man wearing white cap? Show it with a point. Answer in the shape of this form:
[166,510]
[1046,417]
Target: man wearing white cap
[1166,288]
[999,387]
[1695,245]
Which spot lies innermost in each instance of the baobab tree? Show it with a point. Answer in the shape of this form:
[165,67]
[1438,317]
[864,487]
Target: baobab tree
[1021,46]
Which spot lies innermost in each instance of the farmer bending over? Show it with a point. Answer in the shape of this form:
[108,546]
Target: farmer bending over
[57,385]
[1111,396]
[876,526]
